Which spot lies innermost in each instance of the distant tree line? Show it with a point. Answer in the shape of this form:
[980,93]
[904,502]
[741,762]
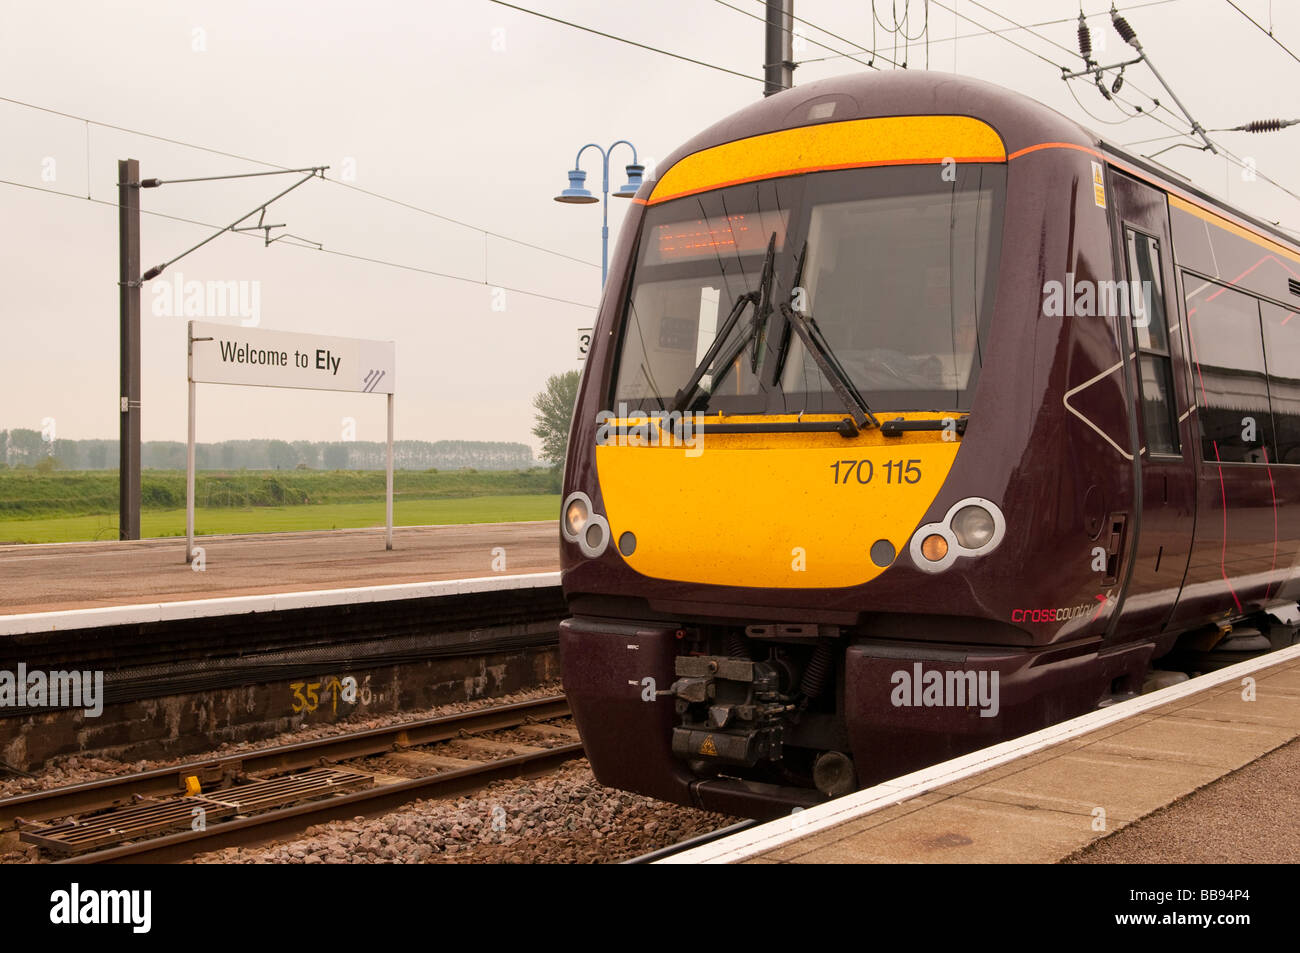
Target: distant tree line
[27,448]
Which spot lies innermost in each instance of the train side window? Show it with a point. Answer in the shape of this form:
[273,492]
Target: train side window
[1146,304]
[1157,399]
[1229,373]
[1282,357]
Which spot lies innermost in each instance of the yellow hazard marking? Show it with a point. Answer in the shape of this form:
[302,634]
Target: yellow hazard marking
[192,786]
[852,144]
[708,748]
[1098,186]
[773,510]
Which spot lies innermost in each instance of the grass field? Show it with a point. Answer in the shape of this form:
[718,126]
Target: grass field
[34,493]
[69,506]
[276,519]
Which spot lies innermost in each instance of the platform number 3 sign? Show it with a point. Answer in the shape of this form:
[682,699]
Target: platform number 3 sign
[584,342]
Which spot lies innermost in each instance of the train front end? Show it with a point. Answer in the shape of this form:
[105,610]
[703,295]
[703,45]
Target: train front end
[788,508]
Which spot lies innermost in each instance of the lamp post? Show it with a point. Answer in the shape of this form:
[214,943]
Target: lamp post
[577,194]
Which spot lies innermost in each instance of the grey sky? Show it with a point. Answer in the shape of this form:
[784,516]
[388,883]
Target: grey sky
[431,114]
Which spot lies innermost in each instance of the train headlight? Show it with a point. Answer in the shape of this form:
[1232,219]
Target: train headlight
[581,525]
[576,514]
[973,526]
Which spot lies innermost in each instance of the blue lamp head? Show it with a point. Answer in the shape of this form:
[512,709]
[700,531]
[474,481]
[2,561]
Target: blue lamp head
[634,173]
[576,193]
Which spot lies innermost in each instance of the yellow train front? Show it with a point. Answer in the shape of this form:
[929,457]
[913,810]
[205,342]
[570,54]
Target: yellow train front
[842,498]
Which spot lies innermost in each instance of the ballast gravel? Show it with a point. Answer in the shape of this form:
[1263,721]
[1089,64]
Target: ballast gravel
[562,818]
[77,769]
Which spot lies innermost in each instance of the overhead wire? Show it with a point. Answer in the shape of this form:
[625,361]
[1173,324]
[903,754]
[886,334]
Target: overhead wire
[838,53]
[1074,52]
[990,32]
[1236,160]
[899,29]
[1138,111]
[1229,156]
[1007,39]
[273,165]
[305,243]
[1144,142]
[623,39]
[1266,32]
[907,14]
[835,36]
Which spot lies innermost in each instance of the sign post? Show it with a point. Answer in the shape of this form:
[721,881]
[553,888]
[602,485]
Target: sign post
[227,354]
[388,520]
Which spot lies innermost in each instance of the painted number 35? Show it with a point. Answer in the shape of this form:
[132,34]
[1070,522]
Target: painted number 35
[306,695]
[862,471]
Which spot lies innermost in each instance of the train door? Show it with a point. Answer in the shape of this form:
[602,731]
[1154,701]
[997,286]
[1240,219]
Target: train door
[1240,556]
[1157,540]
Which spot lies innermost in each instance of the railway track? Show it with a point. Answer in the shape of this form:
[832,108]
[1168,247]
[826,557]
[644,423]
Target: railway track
[258,796]
[690,842]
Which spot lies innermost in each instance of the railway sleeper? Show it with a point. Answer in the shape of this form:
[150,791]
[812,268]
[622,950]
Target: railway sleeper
[148,817]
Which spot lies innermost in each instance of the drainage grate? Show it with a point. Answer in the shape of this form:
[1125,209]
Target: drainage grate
[150,817]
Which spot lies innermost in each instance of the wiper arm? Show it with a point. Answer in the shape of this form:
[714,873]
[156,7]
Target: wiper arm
[762,299]
[783,345]
[825,358]
[686,395]
[764,303]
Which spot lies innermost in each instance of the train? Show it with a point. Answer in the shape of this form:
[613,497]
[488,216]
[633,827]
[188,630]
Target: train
[917,417]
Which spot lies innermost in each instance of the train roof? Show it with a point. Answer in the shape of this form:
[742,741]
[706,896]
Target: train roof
[1021,121]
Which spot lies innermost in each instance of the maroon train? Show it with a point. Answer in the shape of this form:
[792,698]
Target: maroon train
[917,418]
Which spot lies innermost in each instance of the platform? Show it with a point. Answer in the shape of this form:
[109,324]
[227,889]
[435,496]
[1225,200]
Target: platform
[1046,797]
[66,576]
[178,657]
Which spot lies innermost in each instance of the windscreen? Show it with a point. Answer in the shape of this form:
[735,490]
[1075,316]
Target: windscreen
[894,265]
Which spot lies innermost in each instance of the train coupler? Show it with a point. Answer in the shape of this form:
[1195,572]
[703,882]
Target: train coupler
[731,710]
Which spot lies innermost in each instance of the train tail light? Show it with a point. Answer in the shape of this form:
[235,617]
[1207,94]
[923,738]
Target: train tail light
[971,527]
[934,547]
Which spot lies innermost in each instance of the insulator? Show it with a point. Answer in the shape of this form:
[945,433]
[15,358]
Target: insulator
[815,673]
[1085,39]
[1265,125]
[1125,31]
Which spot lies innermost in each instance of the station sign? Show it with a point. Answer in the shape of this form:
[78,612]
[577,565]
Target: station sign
[231,354]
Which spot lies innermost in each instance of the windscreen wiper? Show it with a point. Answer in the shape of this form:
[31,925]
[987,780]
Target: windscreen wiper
[829,364]
[783,345]
[761,299]
[764,313]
